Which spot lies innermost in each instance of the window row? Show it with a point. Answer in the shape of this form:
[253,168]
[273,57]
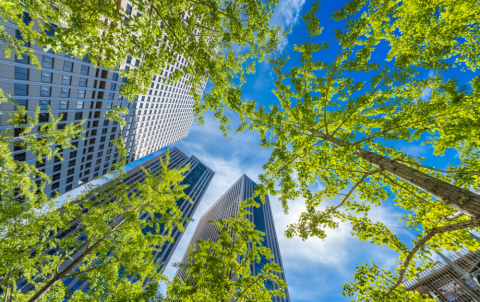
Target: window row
[46,91]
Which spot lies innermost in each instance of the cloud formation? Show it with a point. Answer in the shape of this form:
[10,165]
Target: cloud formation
[286,15]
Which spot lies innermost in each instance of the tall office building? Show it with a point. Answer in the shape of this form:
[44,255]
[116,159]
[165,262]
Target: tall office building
[74,88]
[198,178]
[228,206]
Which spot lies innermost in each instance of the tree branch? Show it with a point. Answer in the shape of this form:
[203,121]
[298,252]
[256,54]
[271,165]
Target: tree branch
[331,76]
[430,233]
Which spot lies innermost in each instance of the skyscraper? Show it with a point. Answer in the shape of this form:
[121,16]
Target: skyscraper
[226,207]
[76,89]
[198,178]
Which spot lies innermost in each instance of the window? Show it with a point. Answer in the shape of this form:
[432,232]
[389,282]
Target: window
[64,115]
[104,130]
[83,82]
[98,105]
[55,185]
[23,60]
[70,172]
[106,164]
[79,105]
[20,156]
[73,154]
[39,164]
[101,147]
[103,138]
[98,161]
[129,59]
[66,80]
[112,137]
[111,96]
[97,114]
[68,187]
[78,115]
[56,177]
[47,62]
[70,179]
[51,30]
[57,168]
[115,76]
[104,171]
[44,104]
[22,103]
[46,77]
[137,62]
[21,73]
[81,94]
[85,69]
[63,104]
[21,89]
[17,132]
[105,123]
[65,93]
[113,86]
[45,90]
[129,9]
[71,163]
[68,66]
[109,105]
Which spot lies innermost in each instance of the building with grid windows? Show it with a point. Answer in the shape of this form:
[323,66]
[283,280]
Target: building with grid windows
[198,178]
[226,207]
[77,90]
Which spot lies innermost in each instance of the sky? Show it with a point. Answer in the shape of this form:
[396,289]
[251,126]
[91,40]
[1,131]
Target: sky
[315,269]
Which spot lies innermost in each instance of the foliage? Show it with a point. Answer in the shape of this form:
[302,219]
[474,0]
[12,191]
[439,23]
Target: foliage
[210,39]
[336,123]
[106,240]
[220,270]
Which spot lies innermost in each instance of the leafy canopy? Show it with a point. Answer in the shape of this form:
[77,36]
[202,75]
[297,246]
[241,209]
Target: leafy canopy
[335,123]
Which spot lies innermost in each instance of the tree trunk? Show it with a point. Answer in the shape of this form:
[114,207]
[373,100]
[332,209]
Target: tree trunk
[460,199]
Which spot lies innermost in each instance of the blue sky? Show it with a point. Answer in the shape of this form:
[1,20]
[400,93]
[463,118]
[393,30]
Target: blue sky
[315,269]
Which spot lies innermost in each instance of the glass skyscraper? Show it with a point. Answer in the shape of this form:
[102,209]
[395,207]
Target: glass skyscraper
[198,178]
[228,206]
[76,89]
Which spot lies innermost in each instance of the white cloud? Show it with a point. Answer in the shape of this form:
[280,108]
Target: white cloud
[426,93]
[286,15]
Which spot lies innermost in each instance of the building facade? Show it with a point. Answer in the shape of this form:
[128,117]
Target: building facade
[198,178]
[76,89]
[454,278]
[228,206]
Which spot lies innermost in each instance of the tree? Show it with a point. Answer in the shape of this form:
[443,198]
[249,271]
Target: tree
[105,242]
[203,35]
[336,123]
[220,270]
